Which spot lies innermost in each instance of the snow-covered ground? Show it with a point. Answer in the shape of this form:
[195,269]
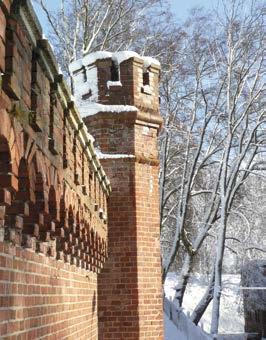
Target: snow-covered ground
[231,317]
[178,326]
[171,332]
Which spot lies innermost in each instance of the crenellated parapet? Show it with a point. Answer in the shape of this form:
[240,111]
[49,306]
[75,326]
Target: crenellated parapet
[53,189]
[121,78]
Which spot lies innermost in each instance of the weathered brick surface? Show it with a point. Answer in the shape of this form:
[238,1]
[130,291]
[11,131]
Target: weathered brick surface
[55,279]
[132,90]
[45,298]
[129,287]
[53,193]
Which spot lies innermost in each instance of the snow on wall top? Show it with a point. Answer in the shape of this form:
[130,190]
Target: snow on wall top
[102,155]
[117,57]
[90,109]
[88,59]
[85,81]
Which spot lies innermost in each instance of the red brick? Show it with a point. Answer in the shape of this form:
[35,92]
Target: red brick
[45,198]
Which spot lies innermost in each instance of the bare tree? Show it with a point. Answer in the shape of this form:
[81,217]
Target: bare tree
[243,55]
[217,131]
[83,26]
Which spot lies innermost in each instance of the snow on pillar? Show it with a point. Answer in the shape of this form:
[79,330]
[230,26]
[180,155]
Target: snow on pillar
[122,113]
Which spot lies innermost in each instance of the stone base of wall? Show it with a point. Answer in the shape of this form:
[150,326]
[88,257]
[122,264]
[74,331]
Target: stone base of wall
[41,297]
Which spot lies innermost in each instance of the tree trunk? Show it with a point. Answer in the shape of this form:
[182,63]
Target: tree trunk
[218,273]
[183,280]
[205,300]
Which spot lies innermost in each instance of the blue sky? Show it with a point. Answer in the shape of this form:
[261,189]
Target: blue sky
[180,8]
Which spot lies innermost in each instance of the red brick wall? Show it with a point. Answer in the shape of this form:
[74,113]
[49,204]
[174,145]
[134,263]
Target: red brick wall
[53,193]
[45,298]
[148,236]
[118,283]
[130,290]
[53,199]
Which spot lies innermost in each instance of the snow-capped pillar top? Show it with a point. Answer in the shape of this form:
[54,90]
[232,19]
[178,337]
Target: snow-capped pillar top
[125,128]
[121,78]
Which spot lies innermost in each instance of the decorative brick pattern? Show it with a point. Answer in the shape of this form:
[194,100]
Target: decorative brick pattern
[56,280]
[53,193]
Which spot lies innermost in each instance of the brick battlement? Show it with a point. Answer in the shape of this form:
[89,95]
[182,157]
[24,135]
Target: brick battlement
[53,192]
[121,78]
[54,185]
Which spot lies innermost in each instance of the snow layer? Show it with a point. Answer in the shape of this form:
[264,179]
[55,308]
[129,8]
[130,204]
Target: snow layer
[102,155]
[89,109]
[117,57]
[183,328]
[147,89]
[149,60]
[92,80]
[170,330]
[231,319]
[113,83]
[89,87]
[92,57]
[88,59]
[121,56]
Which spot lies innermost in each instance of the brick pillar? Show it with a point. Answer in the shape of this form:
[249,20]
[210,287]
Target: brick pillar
[129,287]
